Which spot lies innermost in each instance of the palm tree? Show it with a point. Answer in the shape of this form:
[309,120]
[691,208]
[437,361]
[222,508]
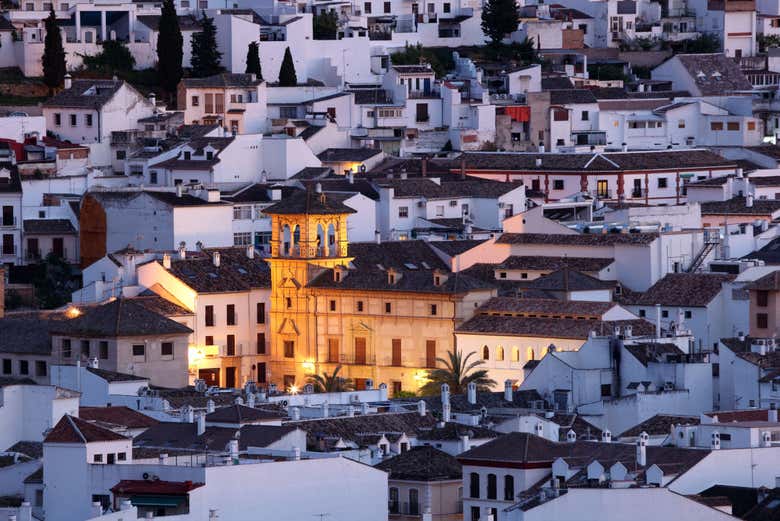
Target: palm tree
[330,383]
[458,373]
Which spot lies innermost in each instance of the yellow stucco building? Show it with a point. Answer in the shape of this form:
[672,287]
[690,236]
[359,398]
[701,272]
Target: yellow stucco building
[384,312]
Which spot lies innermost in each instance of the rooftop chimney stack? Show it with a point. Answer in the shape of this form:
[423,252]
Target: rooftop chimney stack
[187,414]
[766,439]
[201,424]
[641,449]
[296,454]
[363,408]
[539,429]
[216,259]
[462,167]
[209,406]
[606,436]
[445,394]
[446,412]
[318,188]
[464,443]
[325,409]
[772,415]
[715,441]
[471,393]
[350,411]
[295,414]
[182,251]
[233,449]
[571,436]
[250,251]
[179,190]
[508,390]
[658,320]
[421,408]
[749,200]
[351,177]
[68,81]
[250,400]
[166,261]
[153,100]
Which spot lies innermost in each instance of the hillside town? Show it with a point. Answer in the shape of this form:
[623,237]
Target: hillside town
[342,260]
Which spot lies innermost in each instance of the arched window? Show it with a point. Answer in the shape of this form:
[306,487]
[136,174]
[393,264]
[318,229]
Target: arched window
[485,353]
[414,502]
[509,488]
[530,353]
[394,506]
[500,353]
[492,486]
[515,354]
[474,485]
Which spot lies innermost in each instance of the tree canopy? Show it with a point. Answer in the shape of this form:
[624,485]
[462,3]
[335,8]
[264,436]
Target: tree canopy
[499,18]
[458,373]
[53,54]
[330,383]
[326,25]
[170,48]
[206,58]
[287,76]
[253,60]
[115,57]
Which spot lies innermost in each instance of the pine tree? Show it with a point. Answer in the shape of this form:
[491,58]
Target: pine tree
[287,76]
[499,18]
[205,54]
[53,54]
[170,49]
[253,60]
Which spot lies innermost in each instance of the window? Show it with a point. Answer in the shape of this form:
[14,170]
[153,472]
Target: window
[40,368]
[434,309]
[388,307]
[732,126]
[58,119]
[289,348]
[121,155]
[642,313]
[367,8]
[242,212]
[359,306]
[103,350]
[288,302]
[261,312]
[88,121]
[139,350]
[447,7]
[491,487]
[387,7]
[39,497]
[403,212]
[665,313]
[66,350]
[288,112]
[209,340]
[166,349]
[751,125]
[393,505]
[681,123]
[509,488]
[421,111]
[230,312]
[516,354]
[440,210]
[24,367]
[209,316]
[260,343]
[585,115]
[688,314]
[97,458]
[561,115]
[7,366]
[662,182]
[500,353]
[762,298]
[121,456]
[261,372]
[475,513]
[557,184]
[153,178]
[502,275]
[414,501]
[85,348]
[762,320]
[606,390]
[231,345]
[474,487]
[73,120]
[716,126]
[485,353]
[195,101]
[242,239]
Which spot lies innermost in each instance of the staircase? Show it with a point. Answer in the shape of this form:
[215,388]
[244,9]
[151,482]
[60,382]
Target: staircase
[711,241]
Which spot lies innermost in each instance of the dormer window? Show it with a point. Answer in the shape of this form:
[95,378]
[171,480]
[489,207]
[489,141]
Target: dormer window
[391,278]
[187,155]
[209,155]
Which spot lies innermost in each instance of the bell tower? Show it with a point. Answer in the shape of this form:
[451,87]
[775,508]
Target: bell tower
[308,234]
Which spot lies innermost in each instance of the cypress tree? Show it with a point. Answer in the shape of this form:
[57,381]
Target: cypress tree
[253,60]
[287,76]
[170,49]
[53,54]
[205,54]
[499,18]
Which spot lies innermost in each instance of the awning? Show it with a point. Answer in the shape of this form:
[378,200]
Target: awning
[686,176]
[157,501]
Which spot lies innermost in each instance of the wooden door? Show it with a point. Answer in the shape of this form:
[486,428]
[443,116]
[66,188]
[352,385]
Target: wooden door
[430,353]
[397,352]
[360,351]
[333,350]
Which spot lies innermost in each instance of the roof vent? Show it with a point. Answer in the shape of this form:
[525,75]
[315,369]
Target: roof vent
[216,259]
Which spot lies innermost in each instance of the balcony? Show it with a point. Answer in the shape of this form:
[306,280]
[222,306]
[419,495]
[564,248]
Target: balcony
[638,192]
[357,359]
[8,222]
[601,194]
[8,249]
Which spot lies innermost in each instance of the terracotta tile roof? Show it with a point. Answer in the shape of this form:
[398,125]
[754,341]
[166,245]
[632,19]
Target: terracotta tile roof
[566,279]
[395,254]
[222,80]
[33,449]
[409,281]
[71,429]
[653,352]
[454,431]
[236,271]
[537,263]
[579,239]
[240,414]
[772,151]
[117,415]
[349,428]
[684,290]
[571,96]
[547,307]
[548,327]
[769,282]
[48,226]
[338,155]
[160,305]
[184,436]
[582,428]
[745,415]
[120,317]
[449,187]
[714,74]
[452,248]
[86,94]
[28,332]
[129,487]
[738,206]
[658,425]
[422,463]
[113,376]
[309,202]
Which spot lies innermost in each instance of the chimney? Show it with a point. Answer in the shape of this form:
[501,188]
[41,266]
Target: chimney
[182,251]
[538,162]
[296,454]
[369,384]
[363,408]
[201,424]
[378,237]
[766,439]
[740,173]
[216,259]
[233,450]
[250,252]
[446,413]
[421,408]
[187,414]
[126,504]
[68,81]
[153,100]
[749,200]
[161,458]
[571,436]
[250,400]
[178,190]
[471,393]
[445,394]
[539,429]
[318,188]
[772,415]
[325,409]
[295,414]
[209,406]
[424,167]
[97,510]
[508,391]
[641,449]
[350,411]
[625,147]
[464,443]
[606,436]
[658,320]
[166,261]
[462,167]
[351,177]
